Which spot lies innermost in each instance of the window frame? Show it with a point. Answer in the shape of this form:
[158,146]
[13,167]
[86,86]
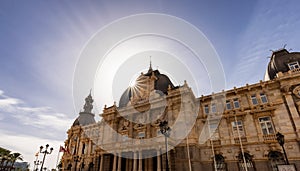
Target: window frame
[228,105]
[213,108]
[206,109]
[265,123]
[263,96]
[140,133]
[214,129]
[253,97]
[238,128]
[236,103]
[293,65]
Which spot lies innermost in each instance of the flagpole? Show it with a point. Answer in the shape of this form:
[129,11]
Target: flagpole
[241,144]
[212,143]
[36,160]
[57,157]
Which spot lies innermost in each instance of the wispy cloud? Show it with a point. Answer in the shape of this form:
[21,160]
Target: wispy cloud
[43,122]
[268,30]
[22,125]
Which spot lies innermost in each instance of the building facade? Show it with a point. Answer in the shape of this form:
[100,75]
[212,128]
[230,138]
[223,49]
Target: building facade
[230,130]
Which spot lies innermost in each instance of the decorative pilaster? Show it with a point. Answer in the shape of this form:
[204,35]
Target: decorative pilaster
[119,163]
[115,162]
[134,160]
[140,161]
[101,162]
[158,161]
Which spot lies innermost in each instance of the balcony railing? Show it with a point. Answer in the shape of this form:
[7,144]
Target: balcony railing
[237,140]
[269,138]
[216,142]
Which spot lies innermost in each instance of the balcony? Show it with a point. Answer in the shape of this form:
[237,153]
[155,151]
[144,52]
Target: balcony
[270,138]
[237,140]
[216,142]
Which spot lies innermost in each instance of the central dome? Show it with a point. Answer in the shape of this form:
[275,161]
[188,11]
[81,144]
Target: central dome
[153,80]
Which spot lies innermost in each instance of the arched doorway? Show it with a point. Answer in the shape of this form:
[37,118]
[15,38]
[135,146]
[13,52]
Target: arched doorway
[275,158]
[247,163]
[220,164]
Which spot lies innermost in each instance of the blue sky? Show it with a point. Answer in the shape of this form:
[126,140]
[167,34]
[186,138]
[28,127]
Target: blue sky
[40,42]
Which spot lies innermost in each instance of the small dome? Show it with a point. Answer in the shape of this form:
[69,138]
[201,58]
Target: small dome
[86,117]
[161,85]
[76,122]
[281,61]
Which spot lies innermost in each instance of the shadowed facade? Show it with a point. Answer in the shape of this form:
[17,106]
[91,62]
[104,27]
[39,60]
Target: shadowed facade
[231,130]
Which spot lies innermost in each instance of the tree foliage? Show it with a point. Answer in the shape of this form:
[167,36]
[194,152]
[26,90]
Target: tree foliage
[8,159]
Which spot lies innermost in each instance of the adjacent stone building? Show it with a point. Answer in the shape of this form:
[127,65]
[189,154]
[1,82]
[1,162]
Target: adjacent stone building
[230,130]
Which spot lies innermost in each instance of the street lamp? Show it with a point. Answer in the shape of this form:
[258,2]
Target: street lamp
[45,152]
[165,130]
[280,139]
[36,164]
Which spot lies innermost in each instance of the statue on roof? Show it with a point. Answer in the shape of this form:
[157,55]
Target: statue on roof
[88,106]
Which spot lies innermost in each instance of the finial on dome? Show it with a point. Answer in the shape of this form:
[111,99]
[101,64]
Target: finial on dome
[150,67]
[88,106]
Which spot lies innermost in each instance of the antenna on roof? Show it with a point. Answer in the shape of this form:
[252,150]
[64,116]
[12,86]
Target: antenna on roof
[150,62]
[284,46]
[150,67]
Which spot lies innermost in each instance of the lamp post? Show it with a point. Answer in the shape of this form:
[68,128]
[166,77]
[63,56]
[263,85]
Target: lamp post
[280,139]
[165,130]
[45,153]
[36,164]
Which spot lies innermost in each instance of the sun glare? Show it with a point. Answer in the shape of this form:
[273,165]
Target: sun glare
[132,83]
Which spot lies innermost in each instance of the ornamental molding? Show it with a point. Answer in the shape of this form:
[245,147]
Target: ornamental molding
[296,91]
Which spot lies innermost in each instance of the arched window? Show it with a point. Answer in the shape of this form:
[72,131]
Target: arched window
[69,166]
[91,165]
[275,158]
[220,163]
[248,162]
[83,148]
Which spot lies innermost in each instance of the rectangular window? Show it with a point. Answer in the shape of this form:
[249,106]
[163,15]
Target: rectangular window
[263,98]
[293,65]
[213,108]
[266,125]
[236,103]
[254,100]
[141,135]
[237,128]
[206,109]
[228,104]
[213,130]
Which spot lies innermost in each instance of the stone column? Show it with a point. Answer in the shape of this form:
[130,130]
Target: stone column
[150,163]
[293,110]
[127,164]
[140,161]
[119,163]
[90,147]
[115,162]
[101,162]
[134,160]
[79,152]
[158,161]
